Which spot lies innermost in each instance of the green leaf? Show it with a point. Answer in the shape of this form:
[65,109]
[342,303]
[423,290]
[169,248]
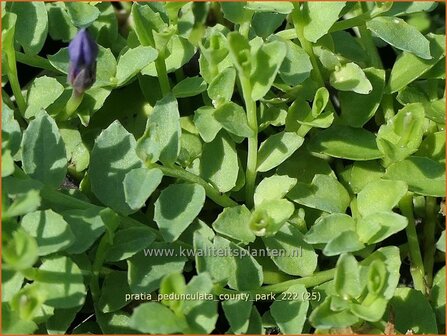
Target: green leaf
[297,257]
[373,312]
[219,268]
[236,12]
[318,18]
[269,6]
[265,23]
[433,147]
[189,87]
[201,315]
[42,93]
[60,26]
[276,149]
[161,140]
[113,156]
[246,273]
[132,62]
[62,280]
[23,204]
[11,132]
[270,216]
[176,208]
[32,25]
[378,226]
[380,195]
[82,14]
[233,223]
[180,52]
[346,143]
[364,172]
[324,317]
[400,8]
[347,241]
[237,313]
[146,21]
[20,252]
[409,67]
[255,326]
[423,175]
[86,225]
[147,317]
[290,315]
[357,109]
[437,294]
[272,188]
[350,77]
[219,163]
[267,59]
[173,283]
[400,35]
[11,283]
[113,292]
[325,193]
[51,231]
[413,312]
[296,66]
[139,184]
[43,151]
[129,241]
[222,87]
[440,244]
[304,166]
[13,324]
[402,134]
[145,272]
[233,119]
[328,227]
[61,320]
[347,277]
[206,123]
[390,256]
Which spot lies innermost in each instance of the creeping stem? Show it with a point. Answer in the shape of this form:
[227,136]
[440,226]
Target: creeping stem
[417,266]
[252,158]
[309,281]
[14,79]
[307,46]
[429,237]
[221,199]
[162,75]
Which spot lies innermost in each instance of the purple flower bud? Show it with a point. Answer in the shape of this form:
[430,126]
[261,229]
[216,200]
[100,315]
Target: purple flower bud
[83,52]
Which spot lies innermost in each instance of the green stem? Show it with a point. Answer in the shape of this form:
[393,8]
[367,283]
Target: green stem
[72,105]
[429,238]
[350,23]
[162,75]
[307,46]
[368,42]
[176,172]
[310,281]
[417,266]
[252,157]
[100,257]
[387,103]
[14,80]
[36,61]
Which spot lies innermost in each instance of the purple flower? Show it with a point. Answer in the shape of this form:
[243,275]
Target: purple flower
[83,52]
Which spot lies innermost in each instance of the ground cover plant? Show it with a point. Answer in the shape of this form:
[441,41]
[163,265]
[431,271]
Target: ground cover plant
[223,167]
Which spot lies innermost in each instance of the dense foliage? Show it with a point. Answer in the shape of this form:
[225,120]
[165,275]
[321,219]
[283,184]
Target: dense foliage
[185,128]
